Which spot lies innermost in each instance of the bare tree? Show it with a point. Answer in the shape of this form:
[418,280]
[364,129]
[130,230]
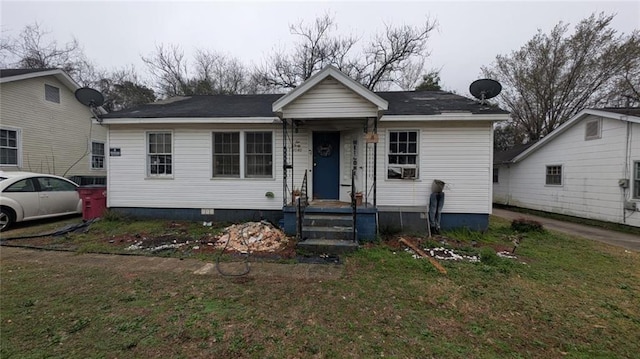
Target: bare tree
[211,73]
[123,89]
[32,49]
[388,58]
[554,76]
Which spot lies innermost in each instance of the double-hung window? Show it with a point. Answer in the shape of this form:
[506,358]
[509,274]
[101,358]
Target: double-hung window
[636,180]
[403,155]
[246,154]
[97,155]
[159,154]
[9,145]
[554,175]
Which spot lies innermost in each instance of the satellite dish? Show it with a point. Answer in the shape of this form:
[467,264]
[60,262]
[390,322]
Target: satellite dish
[485,89]
[89,97]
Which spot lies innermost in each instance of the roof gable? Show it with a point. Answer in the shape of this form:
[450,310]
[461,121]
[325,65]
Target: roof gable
[11,75]
[330,71]
[614,114]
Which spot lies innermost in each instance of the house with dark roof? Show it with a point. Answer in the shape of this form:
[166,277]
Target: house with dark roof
[331,157]
[588,167]
[43,128]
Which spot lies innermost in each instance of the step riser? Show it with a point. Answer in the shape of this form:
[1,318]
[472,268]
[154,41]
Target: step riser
[337,234]
[325,222]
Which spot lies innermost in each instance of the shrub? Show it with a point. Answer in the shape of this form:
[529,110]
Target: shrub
[488,256]
[526,225]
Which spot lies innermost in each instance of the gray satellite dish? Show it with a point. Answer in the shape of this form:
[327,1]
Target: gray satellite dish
[485,89]
[89,97]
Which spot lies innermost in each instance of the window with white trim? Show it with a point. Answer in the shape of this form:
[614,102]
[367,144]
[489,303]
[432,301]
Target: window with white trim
[242,154]
[554,175]
[258,154]
[593,129]
[159,154]
[402,158]
[636,179]
[9,145]
[51,93]
[226,154]
[97,155]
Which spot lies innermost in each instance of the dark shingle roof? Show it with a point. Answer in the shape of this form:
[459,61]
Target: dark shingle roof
[632,111]
[432,103]
[500,157]
[400,103]
[17,72]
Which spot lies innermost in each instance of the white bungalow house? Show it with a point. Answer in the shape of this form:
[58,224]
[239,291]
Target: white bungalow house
[588,167]
[235,157]
[43,128]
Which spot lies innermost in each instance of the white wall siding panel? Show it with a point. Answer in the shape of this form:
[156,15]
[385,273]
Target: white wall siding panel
[192,185]
[56,137]
[457,153]
[501,188]
[329,99]
[590,170]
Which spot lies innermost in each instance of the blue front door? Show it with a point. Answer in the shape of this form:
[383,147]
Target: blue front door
[326,165]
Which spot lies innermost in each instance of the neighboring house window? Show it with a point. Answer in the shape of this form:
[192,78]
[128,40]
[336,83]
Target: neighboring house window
[593,129]
[403,155]
[554,175]
[636,179]
[258,154]
[496,174]
[226,154]
[51,93]
[97,155]
[251,151]
[159,154]
[9,147]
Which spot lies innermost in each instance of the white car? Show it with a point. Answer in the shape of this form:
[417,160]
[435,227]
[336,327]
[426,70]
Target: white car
[25,196]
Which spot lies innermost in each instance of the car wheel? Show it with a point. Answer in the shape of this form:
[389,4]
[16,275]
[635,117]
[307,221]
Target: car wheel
[6,218]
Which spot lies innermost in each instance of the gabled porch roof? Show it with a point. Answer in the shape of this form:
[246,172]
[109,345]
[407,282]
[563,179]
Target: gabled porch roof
[330,71]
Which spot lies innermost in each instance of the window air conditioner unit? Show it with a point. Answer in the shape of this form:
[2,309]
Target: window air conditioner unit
[409,173]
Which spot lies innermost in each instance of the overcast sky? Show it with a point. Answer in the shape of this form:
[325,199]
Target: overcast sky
[469,35]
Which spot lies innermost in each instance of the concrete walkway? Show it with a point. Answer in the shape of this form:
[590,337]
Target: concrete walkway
[619,239]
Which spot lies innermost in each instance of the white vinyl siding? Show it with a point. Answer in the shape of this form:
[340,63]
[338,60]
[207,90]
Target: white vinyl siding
[590,174]
[457,152]
[330,99]
[9,147]
[192,185]
[97,155]
[53,138]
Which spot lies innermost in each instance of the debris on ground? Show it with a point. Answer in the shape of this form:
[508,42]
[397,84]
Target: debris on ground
[252,236]
[434,262]
[506,254]
[245,237]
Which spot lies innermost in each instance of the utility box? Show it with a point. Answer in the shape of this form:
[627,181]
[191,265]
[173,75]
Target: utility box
[94,201]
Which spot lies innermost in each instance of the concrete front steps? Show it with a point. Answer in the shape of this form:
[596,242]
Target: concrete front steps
[327,232]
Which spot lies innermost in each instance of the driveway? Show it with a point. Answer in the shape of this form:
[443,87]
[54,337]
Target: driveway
[619,239]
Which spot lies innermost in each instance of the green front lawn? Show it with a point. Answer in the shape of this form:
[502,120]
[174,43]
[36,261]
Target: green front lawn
[564,297]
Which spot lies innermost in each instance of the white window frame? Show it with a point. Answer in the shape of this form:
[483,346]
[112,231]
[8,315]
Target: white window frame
[18,132]
[546,169]
[148,155]
[104,156]
[403,167]
[596,136]
[243,155]
[636,180]
[45,93]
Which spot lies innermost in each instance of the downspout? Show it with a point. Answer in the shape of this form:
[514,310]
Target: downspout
[626,174]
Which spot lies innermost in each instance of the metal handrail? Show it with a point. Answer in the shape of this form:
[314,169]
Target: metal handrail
[354,208]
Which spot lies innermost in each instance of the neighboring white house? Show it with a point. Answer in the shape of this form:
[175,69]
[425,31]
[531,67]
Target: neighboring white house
[43,128]
[588,167]
[231,157]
